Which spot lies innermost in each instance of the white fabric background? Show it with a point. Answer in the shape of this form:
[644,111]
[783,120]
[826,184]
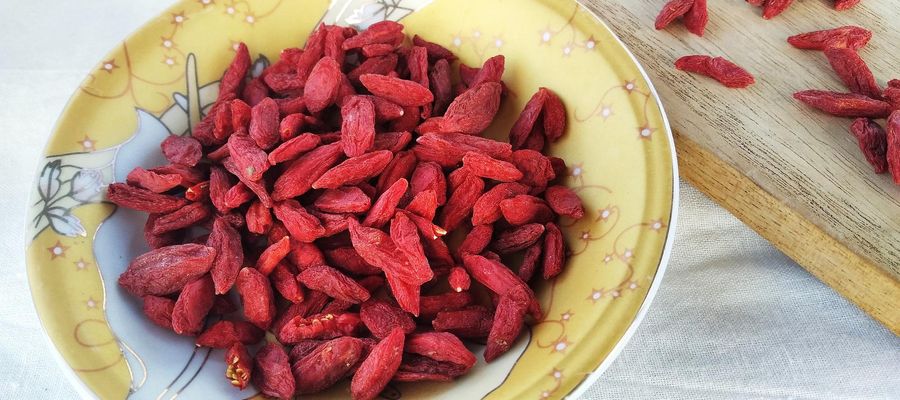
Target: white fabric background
[734,318]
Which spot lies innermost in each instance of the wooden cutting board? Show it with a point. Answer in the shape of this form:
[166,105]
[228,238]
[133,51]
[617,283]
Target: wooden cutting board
[791,173]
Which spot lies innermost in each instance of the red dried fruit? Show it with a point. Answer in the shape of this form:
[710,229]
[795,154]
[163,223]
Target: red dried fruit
[194,302]
[424,205]
[773,8]
[440,346]
[459,279]
[159,310]
[263,125]
[853,71]
[333,283]
[250,160]
[299,175]
[672,10]
[238,366]
[259,218]
[428,176]
[348,259]
[189,215]
[233,79]
[473,111]
[285,283]
[842,5]
[441,86]
[872,142]
[486,209]
[319,326]
[304,255]
[436,52]
[554,251]
[256,297]
[525,209]
[240,115]
[135,198]
[380,317]
[358,126]
[153,181]
[530,261]
[393,141]
[486,167]
[848,105]
[302,225]
[182,150]
[399,91]
[222,128]
[219,183]
[255,91]
[461,201]
[237,195]
[893,145]
[383,208]
[508,321]
[229,255]
[400,167]
[376,370]
[354,170]
[377,49]
[430,306]
[326,364]
[726,72]
[564,201]
[272,372]
[272,255]
[536,169]
[696,18]
[322,86]
[198,192]
[448,149]
[477,240]
[852,37]
[405,235]
[167,269]
[472,323]
[492,274]
[379,32]
[224,334]
[378,249]
[491,71]
[518,238]
[347,199]
[376,65]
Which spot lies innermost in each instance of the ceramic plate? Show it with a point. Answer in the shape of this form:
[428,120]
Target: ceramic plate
[158,82]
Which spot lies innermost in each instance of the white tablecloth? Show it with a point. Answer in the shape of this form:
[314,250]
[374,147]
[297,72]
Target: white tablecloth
[734,318]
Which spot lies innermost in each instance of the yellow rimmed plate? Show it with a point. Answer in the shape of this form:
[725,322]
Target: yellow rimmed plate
[159,81]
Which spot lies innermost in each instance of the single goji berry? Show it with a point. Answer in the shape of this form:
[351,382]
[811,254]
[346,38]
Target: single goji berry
[695,19]
[399,91]
[299,175]
[375,65]
[672,10]
[153,181]
[167,269]
[473,111]
[380,317]
[272,255]
[159,310]
[223,334]
[256,297]
[461,201]
[320,326]
[333,283]
[853,71]
[326,364]
[379,32]
[518,238]
[472,323]
[192,306]
[435,51]
[250,160]
[848,105]
[525,209]
[564,201]
[530,262]
[393,141]
[302,225]
[508,321]
[379,366]
[348,259]
[346,199]
[238,365]
[354,170]
[726,72]
[183,150]
[459,279]
[852,37]
[872,142]
[135,198]
[383,208]
[893,145]
[773,8]
[842,5]
[272,372]
[486,167]
[424,205]
[226,241]
[285,282]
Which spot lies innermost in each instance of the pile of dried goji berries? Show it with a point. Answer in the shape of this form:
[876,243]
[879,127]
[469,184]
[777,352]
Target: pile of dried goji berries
[322,192]
[866,101]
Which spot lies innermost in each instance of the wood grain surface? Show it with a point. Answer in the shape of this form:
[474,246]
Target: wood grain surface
[798,160]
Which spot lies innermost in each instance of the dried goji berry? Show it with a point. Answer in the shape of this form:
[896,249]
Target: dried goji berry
[393,141]
[194,302]
[250,160]
[726,72]
[182,150]
[354,170]
[333,283]
[852,37]
[773,8]
[473,111]
[477,239]
[256,297]
[564,201]
[135,198]
[486,209]
[153,181]
[377,49]
[399,91]
[167,269]
[383,208]
[320,326]
[304,255]
[486,167]
[189,215]
[872,142]
[436,52]
[229,255]
[853,71]
[223,334]
[893,145]
[259,218]
[198,192]
[299,175]
[508,321]
[459,279]
[264,124]
[240,115]
[272,255]
[326,364]
[375,65]
[379,32]
[672,10]
[842,5]
[424,205]
[348,259]
[285,282]
[400,167]
[530,262]
[159,310]
[695,19]
[302,225]
[376,370]
[525,209]
[848,105]
[554,251]
[239,366]
[536,169]
[347,199]
[441,86]
[272,372]
[322,85]
[440,346]
[380,317]
[461,201]
[472,323]
[518,238]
